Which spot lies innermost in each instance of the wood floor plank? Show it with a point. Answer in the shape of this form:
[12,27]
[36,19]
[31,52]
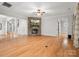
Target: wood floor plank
[36,46]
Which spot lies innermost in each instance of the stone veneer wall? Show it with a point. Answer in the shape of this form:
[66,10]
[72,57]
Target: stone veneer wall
[76,28]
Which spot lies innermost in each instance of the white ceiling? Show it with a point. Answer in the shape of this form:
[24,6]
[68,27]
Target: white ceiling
[25,9]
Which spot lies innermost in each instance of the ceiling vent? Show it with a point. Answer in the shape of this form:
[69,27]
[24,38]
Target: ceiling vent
[6,4]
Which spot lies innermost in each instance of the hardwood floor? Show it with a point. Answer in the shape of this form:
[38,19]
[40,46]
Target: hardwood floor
[35,46]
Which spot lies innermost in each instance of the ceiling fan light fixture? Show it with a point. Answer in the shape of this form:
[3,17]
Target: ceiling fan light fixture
[39,12]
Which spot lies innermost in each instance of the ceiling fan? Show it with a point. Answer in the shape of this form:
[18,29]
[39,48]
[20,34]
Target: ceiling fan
[39,12]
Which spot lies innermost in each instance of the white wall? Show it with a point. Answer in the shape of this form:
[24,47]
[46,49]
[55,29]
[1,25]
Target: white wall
[3,22]
[22,30]
[64,25]
[50,25]
[70,21]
